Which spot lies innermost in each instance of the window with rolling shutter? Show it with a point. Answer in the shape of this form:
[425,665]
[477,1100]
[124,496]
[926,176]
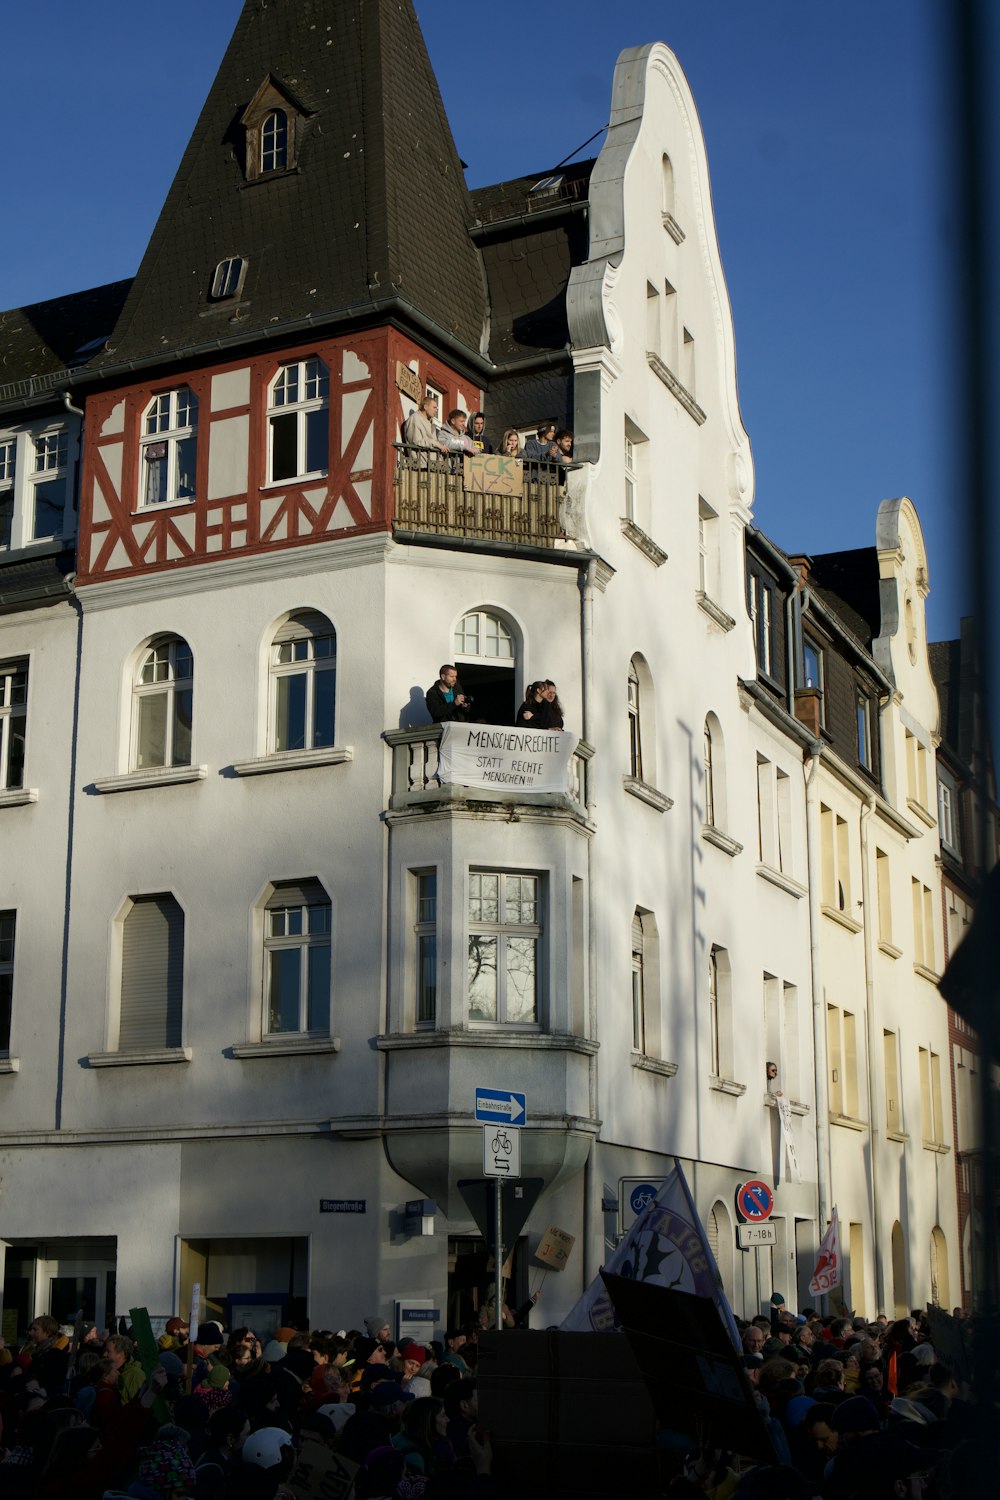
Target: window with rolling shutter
[152,975]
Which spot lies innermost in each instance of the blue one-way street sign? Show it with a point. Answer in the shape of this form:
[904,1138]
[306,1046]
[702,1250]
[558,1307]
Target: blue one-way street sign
[500,1106]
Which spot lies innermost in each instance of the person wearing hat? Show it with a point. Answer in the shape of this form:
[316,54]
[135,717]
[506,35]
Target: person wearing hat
[412,1357]
[165,1466]
[270,1449]
[454,1342]
[175,1334]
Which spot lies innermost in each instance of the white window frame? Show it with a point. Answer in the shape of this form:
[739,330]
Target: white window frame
[308,627]
[8,474]
[863,711]
[29,458]
[500,931]
[49,465]
[948,824]
[425,934]
[634,722]
[228,278]
[491,628]
[169,421]
[170,664]
[708,754]
[13,712]
[761,602]
[305,897]
[274,141]
[312,377]
[638,985]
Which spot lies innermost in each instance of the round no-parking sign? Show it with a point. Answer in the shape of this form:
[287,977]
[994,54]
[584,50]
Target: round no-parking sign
[754,1200]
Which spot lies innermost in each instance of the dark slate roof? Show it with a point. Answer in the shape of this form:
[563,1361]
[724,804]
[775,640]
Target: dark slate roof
[847,583]
[48,338]
[953,669]
[377,208]
[529,244]
[35,581]
[528,399]
[945,663]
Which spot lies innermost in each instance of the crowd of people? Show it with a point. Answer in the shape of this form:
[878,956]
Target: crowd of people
[462,434]
[854,1411]
[226,1417]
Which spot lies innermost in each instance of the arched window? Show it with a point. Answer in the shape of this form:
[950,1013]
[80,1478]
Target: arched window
[667,204]
[274,142]
[940,1284]
[709,769]
[298,421]
[168,448]
[714,771]
[297,959]
[720,1014]
[645,984]
[152,979]
[719,1231]
[638,987]
[641,723]
[162,704]
[485,651]
[303,683]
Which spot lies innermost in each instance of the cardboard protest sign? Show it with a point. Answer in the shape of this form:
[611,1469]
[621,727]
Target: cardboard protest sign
[554,1248]
[321,1475]
[493,474]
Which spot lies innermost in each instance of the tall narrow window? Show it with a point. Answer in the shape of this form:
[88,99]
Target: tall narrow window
[883,882]
[720,1014]
[8,457]
[304,683]
[505,935]
[152,975]
[709,770]
[163,697]
[297,959]
[863,710]
[13,720]
[638,987]
[760,603]
[425,930]
[298,420]
[890,1061]
[168,449]
[714,1050]
[634,723]
[7,924]
[274,142]
[948,812]
[687,370]
[48,485]
[630,479]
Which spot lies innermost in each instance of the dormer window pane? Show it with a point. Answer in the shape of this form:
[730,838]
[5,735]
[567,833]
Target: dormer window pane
[228,278]
[274,142]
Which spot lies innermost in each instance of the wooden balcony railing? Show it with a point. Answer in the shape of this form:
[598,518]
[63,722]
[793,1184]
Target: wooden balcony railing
[442,495]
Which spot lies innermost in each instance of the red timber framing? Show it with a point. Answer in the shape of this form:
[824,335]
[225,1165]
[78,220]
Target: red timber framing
[235,510]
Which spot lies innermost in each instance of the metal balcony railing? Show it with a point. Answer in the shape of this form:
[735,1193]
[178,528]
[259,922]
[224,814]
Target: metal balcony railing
[438,493]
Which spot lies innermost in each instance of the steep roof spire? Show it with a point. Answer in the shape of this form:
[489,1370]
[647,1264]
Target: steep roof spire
[322,158]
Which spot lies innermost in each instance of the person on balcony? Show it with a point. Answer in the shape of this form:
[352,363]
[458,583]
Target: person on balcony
[539,447]
[552,712]
[453,438]
[477,432]
[561,451]
[420,427]
[511,445]
[533,707]
[446,702]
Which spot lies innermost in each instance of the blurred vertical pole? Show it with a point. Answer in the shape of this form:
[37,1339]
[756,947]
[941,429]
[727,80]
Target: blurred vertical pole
[968,26]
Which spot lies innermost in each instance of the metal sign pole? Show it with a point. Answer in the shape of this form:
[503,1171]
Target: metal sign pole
[498,1258]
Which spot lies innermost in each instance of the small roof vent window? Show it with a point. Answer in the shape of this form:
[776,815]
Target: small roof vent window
[227,282]
[548,187]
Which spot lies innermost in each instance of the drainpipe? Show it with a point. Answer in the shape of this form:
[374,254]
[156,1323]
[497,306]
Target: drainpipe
[820,1060]
[592,1192]
[868,912]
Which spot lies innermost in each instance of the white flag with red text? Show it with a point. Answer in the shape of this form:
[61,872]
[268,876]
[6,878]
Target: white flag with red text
[829,1267]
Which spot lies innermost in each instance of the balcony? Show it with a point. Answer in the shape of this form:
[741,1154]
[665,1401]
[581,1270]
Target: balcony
[416,785]
[512,502]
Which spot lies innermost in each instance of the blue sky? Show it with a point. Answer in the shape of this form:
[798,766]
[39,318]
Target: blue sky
[826,132]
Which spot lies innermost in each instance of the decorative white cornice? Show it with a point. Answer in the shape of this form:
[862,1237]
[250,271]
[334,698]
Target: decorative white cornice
[21,796]
[294,760]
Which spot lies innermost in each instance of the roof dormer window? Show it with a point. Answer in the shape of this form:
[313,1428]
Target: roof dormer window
[228,278]
[274,142]
[273,121]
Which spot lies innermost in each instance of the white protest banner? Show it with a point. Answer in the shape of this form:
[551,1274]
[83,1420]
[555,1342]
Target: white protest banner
[666,1246]
[497,758]
[827,1274]
[321,1475]
[785,1116]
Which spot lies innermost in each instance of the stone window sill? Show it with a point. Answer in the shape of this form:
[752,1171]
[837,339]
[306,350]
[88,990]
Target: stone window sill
[139,1059]
[9,1064]
[795,1105]
[926,973]
[674,386]
[782,881]
[848,1122]
[937,1146]
[286,1046]
[19,796]
[726,1086]
[647,794]
[890,949]
[840,917]
[294,760]
[714,611]
[672,227]
[460,1036]
[897,1135]
[643,542]
[713,835]
[150,776]
[658,1065]
[920,811]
